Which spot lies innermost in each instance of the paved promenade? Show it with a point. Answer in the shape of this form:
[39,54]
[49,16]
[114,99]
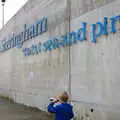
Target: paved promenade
[12,111]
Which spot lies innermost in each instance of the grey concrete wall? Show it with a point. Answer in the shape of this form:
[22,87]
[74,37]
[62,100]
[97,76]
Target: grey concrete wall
[32,80]
[94,67]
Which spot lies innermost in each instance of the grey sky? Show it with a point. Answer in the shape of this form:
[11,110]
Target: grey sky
[11,7]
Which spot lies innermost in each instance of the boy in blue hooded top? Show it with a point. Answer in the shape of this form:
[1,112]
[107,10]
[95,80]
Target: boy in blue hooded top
[62,110]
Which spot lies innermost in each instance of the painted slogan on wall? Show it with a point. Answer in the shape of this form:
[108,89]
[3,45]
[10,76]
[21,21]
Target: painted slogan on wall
[29,32]
[100,28]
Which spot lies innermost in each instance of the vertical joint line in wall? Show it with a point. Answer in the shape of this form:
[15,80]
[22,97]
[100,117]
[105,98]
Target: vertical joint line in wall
[69,60]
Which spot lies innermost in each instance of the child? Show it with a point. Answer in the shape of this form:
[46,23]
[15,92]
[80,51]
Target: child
[63,110]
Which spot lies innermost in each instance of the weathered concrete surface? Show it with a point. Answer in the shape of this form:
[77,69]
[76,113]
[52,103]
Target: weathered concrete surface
[95,77]
[12,111]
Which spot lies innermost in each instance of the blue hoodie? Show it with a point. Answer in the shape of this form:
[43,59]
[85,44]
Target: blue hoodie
[63,111]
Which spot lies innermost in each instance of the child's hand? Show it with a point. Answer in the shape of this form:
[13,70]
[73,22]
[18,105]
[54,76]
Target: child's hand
[53,100]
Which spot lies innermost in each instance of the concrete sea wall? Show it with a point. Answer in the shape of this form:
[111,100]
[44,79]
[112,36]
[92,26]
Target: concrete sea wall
[88,70]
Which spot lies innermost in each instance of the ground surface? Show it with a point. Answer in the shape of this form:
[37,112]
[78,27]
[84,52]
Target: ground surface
[12,111]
